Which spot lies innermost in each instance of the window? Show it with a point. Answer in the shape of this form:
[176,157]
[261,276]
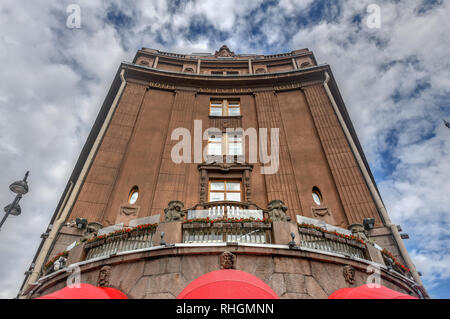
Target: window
[215,144]
[226,107]
[228,190]
[134,194]
[317,196]
[225,144]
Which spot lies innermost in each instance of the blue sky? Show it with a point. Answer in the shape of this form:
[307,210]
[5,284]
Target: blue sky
[395,82]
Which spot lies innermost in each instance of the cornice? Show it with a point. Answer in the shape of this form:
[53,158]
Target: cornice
[233,84]
[189,58]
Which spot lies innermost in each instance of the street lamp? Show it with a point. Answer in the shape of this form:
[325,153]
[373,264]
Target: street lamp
[20,188]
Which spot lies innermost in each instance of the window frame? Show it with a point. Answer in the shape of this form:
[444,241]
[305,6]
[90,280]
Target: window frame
[225,143]
[134,190]
[225,105]
[225,191]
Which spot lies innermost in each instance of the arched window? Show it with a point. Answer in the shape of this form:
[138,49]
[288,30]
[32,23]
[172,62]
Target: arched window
[317,196]
[133,196]
[260,70]
[189,70]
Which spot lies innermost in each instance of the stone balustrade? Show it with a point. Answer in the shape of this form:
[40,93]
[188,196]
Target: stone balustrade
[230,222]
[134,240]
[314,239]
[225,209]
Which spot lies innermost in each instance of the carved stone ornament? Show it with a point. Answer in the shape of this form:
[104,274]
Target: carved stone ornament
[103,276]
[174,211]
[227,260]
[359,231]
[224,52]
[349,274]
[129,210]
[320,211]
[277,210]
[93,227]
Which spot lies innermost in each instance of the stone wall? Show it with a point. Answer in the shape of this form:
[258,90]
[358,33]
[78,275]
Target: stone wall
[164,273]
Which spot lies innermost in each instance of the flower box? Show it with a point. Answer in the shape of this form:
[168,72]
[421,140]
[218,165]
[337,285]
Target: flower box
[236,225]
[311,232]
[134,233]
[266,225]
[217,225]
[201,225]
[333,237]
[249,225]
[226,225]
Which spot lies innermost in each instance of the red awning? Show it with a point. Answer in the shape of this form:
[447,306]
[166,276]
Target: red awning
[227,284]
[86,291]
[366,292]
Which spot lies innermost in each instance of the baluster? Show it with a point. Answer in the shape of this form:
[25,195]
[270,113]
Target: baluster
[120,245]
[105,249]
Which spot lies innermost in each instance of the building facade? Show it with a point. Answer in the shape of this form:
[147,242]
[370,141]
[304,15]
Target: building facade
[207,161]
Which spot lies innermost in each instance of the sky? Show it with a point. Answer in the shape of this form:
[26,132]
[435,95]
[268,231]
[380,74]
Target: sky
[395,81]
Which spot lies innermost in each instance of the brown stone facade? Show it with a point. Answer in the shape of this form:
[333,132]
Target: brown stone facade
[161,92]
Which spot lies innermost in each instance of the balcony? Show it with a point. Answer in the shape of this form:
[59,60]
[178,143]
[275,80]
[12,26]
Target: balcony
[226,221]
[225,209]
[229,223]
[119,241]
[324,241]
[194,240]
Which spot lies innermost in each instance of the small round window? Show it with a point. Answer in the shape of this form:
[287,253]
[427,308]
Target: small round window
[134,194]
[317,196]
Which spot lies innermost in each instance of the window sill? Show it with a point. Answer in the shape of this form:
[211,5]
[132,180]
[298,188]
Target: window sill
[225,117]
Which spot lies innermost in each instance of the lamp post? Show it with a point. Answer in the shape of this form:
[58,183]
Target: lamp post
[20,188]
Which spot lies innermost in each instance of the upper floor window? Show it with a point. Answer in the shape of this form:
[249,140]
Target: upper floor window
[225,107]
[317,196]
[133,196]
[225,144]
[221,190]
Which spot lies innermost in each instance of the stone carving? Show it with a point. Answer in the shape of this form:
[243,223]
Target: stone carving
[174,211]
[277,211]
[248,189]
[103,276]
[227,260]
[60,263]
[93,227]
[349,274]
[224,52]
[359,232]
[320,212]
[203,186]
[128,211]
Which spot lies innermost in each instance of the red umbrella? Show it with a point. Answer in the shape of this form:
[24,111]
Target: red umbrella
[369,292]
[85,291]
[227,284]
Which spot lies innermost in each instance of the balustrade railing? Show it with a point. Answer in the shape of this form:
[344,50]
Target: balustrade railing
[120,243]
[225,209]
[220,235]
[314,239]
